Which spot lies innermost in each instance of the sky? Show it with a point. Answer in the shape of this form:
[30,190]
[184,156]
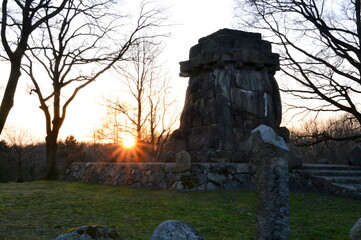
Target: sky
[192,19]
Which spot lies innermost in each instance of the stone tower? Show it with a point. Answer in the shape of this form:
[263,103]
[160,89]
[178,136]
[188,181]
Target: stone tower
[231,91]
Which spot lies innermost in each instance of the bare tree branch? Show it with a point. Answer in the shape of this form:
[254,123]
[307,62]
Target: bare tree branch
[31,16]
[319,46]
[150,108]
[76,48]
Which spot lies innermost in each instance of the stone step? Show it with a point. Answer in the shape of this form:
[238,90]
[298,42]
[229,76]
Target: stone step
[309,166]
[346,190]
[350,187]
[338,179]
[328,172]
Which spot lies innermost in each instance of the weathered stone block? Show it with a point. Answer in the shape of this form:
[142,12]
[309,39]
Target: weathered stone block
[270,161]
[198,138]
[216,178]
[220,156]
[243,168]
[182,162]
[221,112]
[196,169]
[202,179]
[241,177]
[232,185]
[252,102]
[178,141]
[252,80]
[211,186]
[202,187]
[221,137]
[169,167]
[157,177]
[202,156]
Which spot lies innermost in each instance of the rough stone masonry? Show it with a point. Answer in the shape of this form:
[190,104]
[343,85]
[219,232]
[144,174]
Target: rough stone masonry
[231,91]
[269,162]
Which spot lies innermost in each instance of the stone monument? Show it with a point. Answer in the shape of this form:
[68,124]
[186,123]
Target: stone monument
[269,164]
[231,91]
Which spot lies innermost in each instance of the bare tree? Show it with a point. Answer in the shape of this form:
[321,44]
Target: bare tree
[312,145]
[319,46]
[18,21]
[162,117]
[111,128]
[22,145]
[149,111]
[74,49]
[138,76]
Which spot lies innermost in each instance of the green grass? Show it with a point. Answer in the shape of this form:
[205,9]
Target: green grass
[43,210]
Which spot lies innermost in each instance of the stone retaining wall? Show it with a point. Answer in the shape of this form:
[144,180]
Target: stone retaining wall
[201,176]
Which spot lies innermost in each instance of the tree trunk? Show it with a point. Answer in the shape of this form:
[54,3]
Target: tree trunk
[8,98]
[20,170]
[51,148]
[139,120]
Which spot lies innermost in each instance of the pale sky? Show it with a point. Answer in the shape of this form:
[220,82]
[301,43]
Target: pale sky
[192,20]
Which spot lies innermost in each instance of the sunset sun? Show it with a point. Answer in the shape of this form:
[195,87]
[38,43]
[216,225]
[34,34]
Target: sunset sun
[128,141]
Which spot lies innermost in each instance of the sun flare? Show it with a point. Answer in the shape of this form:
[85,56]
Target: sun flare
[128,142]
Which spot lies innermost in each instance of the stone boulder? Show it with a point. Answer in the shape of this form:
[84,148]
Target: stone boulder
[355,233]
[91,232]
[182,162]
[268,137]
[175,230]
[354,158]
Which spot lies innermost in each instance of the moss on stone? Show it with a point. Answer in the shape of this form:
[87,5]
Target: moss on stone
[189,181]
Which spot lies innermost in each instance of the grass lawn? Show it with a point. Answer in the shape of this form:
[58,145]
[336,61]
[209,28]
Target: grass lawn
[42,210]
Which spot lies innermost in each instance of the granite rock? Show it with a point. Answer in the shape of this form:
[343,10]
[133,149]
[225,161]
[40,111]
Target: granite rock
[182,162]
[355,233]
[269,159]
[90,232]
[175,230]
